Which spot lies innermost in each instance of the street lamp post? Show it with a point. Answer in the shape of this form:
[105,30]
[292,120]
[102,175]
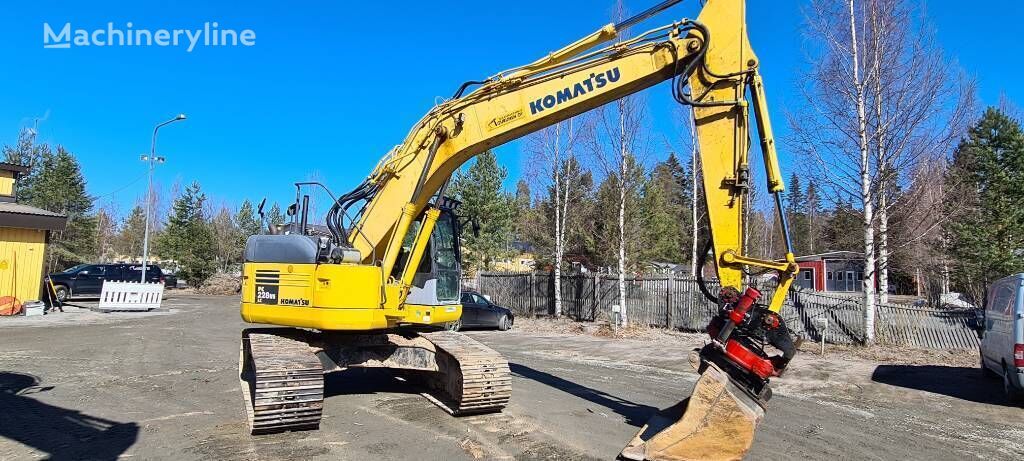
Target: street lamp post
[153,160]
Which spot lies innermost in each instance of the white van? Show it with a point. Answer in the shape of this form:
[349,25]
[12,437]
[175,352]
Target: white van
[1002,334]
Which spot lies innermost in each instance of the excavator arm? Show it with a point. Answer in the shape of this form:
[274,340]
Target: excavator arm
[712,54]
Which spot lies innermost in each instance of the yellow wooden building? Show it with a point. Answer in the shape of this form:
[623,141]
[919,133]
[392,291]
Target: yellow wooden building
[24,232]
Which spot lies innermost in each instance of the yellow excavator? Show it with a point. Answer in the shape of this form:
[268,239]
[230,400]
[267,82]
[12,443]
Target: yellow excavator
[376,286]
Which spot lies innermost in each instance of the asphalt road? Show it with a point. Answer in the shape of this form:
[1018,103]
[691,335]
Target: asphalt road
[89,386]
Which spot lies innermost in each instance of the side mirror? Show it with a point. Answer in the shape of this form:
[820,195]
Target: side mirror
[476,227]
[977,323]
[293,209]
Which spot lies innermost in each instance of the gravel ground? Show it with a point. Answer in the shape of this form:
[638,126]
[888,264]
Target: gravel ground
[164,386]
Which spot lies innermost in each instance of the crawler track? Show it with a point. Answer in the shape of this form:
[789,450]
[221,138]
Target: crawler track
[471,377]
[282,376]
[282,381]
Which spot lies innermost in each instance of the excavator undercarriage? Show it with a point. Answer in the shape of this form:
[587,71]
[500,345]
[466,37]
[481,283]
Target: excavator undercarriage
[282,371]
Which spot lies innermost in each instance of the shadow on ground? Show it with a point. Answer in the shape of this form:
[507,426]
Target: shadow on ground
[959,382]
[61,433]
[365,381]
[634,413]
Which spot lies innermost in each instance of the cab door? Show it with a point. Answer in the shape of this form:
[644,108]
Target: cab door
[470,309]
[114,273]
[488,314]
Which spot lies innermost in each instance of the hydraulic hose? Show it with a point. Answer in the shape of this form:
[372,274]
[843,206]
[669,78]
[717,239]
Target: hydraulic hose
[462,89]
[701,283]
[679,82]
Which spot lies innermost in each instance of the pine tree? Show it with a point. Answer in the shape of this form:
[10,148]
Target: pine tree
[660,227]
[987,176]
[59,186]
[275,217]
[188,239]
[606,218]
[129,239]
[837,235]
[26,153]
[479,189]
[246,222]
[796,205]
[795,198]
[524,222]
[523,198]
[666,215]
[814,215]
[681,196]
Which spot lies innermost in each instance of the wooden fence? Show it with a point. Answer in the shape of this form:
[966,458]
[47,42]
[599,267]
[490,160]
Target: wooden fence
[677,303]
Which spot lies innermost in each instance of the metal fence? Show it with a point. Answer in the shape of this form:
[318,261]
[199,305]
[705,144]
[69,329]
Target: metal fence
[676,302]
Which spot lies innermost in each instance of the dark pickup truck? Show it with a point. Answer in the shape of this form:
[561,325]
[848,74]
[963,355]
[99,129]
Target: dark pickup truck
[87,279]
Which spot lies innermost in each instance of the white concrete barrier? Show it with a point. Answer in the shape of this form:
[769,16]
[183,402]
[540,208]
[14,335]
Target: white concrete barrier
[130,296]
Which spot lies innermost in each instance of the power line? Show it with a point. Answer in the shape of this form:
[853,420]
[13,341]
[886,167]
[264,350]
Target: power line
[127,185]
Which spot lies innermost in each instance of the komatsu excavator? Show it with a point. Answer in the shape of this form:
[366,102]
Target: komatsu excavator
[376,288]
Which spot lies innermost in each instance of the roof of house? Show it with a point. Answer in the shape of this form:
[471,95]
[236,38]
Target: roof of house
[831,255]
[522,246]
[13,167]
[19,215]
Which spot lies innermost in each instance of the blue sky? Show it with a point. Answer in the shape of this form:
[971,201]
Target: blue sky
[330,86]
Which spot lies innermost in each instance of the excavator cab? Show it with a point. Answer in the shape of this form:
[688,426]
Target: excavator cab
[439,274]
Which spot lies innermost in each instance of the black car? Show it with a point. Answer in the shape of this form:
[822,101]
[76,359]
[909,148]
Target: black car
[170,279]
[478,311]
[87,279]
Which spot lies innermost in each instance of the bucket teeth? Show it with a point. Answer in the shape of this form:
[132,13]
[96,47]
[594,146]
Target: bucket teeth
[717,422]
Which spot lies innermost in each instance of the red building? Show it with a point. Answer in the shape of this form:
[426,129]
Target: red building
[831,271]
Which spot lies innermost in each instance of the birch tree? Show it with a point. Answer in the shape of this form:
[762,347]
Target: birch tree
[919,108]
[554,167]
[879,99]
[695,173]
[832,131]
[619,147]
[106,233]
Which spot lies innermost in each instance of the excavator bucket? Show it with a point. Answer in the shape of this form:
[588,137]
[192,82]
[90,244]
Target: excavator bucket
[717,422]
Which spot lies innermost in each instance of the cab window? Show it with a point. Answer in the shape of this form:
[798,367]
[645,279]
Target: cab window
[1002,299]
[75,269]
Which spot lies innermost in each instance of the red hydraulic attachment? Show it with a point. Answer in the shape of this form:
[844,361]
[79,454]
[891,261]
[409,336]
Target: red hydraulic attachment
[739,312]
[735,351]
[749,360]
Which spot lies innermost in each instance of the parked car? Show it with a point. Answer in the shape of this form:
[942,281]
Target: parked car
[170,279]
[1001,328]
[480,312]
[87,279]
